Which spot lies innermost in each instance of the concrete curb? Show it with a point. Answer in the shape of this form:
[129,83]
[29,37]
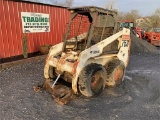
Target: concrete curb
[13,63]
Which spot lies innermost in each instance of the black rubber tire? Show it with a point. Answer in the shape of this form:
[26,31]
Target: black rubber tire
[118,65]
[51,72]
[87,83]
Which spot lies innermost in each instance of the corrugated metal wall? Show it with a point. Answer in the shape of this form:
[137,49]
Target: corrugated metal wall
[79,25]
[11,27]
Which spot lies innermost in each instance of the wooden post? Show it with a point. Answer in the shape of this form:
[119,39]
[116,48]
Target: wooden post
[24,46]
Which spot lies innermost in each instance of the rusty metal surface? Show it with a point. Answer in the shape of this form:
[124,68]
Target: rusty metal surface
[11,27]
[60,93]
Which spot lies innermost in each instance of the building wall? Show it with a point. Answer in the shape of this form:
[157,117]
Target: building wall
[11,27]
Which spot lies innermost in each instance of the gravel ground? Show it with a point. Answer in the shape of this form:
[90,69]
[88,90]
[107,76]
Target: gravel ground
[137,98]
[139,46]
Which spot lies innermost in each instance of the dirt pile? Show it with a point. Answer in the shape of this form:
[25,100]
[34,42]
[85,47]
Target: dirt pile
[139,46]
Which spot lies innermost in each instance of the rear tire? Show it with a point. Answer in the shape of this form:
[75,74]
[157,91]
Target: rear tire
[116,75]
[92,80]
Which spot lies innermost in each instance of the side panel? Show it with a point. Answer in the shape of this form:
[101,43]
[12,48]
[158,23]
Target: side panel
[11,27]
[53,51]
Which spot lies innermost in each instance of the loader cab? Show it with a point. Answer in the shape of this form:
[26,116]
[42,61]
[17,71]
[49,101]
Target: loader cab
[127,24]
[88,26]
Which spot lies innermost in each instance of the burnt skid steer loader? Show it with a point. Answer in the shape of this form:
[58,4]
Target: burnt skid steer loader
[93,55]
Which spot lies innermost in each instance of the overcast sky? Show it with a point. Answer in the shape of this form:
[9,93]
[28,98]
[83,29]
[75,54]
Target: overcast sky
[145,7]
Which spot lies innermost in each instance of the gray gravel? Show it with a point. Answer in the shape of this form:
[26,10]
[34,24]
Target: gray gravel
[137,98]
[139,46]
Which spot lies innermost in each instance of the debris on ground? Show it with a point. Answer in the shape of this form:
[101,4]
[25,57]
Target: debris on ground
[60,93]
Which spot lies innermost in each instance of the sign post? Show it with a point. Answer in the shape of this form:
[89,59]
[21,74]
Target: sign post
[24,46]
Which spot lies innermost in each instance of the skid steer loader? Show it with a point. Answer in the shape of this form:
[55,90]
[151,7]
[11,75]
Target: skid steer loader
[93,54]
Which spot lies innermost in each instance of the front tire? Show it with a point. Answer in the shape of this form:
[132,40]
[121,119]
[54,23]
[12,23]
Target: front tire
[51,72]
[92,80]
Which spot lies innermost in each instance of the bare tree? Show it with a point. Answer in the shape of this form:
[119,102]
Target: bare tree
[110,4]
[153,20]
[69,3]
[132,15]
[121,16]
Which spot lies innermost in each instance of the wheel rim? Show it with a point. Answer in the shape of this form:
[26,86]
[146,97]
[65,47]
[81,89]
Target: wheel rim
[96,82]
[118,74]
